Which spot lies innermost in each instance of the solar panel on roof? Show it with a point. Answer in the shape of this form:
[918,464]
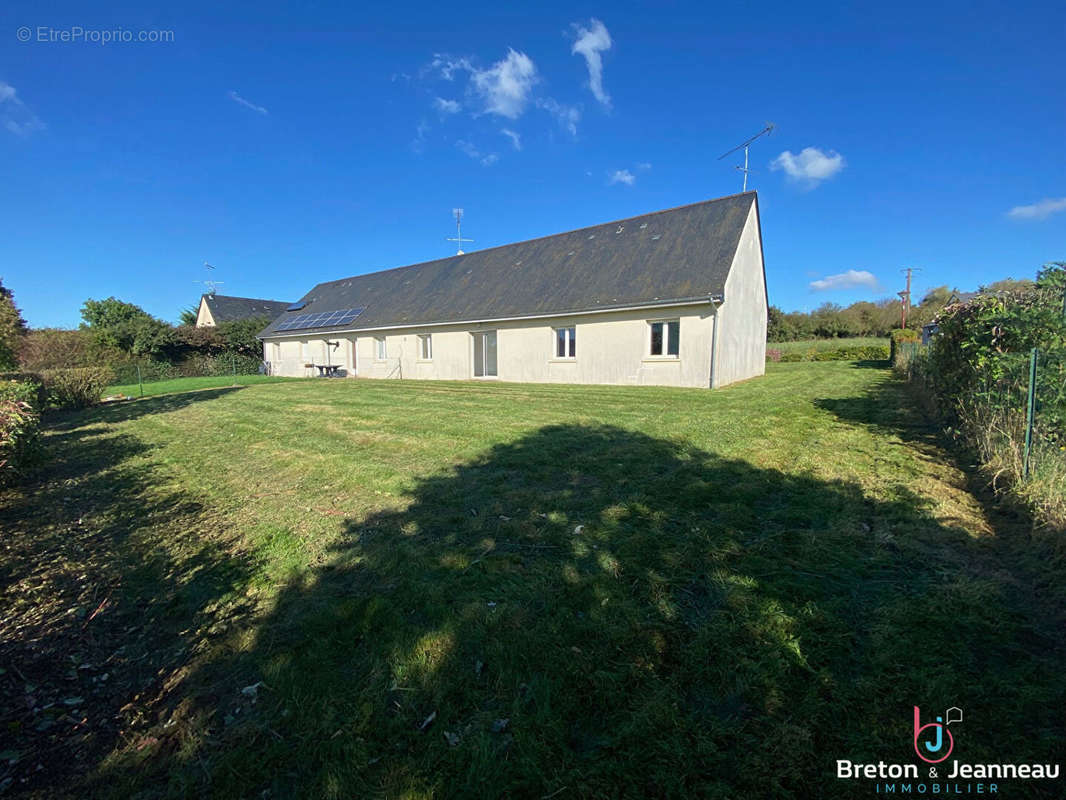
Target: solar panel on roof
[296,306]
[323,319]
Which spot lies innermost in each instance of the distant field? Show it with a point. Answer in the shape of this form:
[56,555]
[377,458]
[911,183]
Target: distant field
[827,344]
[188,385]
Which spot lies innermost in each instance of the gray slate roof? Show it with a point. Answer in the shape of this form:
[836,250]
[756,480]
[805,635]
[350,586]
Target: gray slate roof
[228,309]
[680,254]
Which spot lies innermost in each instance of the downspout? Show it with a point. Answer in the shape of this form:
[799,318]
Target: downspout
[716,301]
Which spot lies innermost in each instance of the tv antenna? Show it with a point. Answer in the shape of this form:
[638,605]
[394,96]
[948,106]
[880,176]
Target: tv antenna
[458,238]
[746,144]
[210,283]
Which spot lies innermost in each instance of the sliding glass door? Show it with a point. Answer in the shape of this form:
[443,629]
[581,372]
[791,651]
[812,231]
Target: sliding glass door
[485,354]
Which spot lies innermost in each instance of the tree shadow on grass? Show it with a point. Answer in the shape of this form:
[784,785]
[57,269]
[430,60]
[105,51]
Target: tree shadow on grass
[97,612]
[112,413]
[593,612]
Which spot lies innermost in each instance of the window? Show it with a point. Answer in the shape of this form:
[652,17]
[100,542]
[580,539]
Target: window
[485,354]
[565,342]
[425,346]
[666,338]
[380,348]
[305,352]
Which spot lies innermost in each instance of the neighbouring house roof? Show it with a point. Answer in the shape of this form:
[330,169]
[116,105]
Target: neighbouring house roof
[228,309]
[680,254]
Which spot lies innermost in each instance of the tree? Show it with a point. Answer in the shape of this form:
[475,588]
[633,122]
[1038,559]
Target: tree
[1007,285]
[775,325]
[127,327]
[189,316]
[240,335]
[12,329]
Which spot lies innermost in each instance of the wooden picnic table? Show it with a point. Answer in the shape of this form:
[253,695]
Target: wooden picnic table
[327,370]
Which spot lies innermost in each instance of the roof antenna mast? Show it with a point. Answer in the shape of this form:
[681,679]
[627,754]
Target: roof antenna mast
[458,238]
[765,131]
[211,284]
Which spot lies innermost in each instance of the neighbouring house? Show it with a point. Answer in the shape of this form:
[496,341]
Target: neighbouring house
[672,298]
[217,308]
[931,329]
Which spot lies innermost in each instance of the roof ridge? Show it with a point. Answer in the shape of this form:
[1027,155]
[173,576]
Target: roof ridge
[539,238]
[236,297]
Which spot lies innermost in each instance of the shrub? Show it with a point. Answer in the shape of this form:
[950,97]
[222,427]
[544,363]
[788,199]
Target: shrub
[773,354]
[76,388]
[25,386]
[19,429]
[904,335]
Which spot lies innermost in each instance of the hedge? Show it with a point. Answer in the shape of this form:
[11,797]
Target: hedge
[877,352]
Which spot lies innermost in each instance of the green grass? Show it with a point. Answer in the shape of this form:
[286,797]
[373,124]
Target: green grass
[827,344]
[154,388]
[344,588]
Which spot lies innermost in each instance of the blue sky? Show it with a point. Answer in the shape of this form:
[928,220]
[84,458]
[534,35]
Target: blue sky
[293,144]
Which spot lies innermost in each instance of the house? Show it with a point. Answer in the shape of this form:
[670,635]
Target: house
[216,308]
[931,329]
[672,298]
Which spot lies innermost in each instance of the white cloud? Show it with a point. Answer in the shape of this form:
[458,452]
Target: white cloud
[852,279]
[516,140]
[621,176]
[448,66]
[810,165]
[505,86]
[446,106]
[418,145]
[503,89]
[485,159]
[236,98]
[1040,210]
[567,116]
[643,165]
[590,43]
[15,116]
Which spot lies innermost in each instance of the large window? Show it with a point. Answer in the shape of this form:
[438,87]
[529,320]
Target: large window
[665,338]
[425,347]
[381,351]
[565,343]
[485,354]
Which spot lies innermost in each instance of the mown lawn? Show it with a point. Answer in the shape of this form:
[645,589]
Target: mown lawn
[416,589]
[153,388]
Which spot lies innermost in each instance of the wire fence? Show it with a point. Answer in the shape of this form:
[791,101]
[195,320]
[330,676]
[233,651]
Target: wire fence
[1021,398]
[140,378]
[1015,412]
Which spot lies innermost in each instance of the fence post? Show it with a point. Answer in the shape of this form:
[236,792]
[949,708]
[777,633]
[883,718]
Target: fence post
[140,383]
[1030,409]
[233,366]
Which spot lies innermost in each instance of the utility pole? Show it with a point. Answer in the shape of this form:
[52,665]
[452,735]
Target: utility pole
[905,297]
